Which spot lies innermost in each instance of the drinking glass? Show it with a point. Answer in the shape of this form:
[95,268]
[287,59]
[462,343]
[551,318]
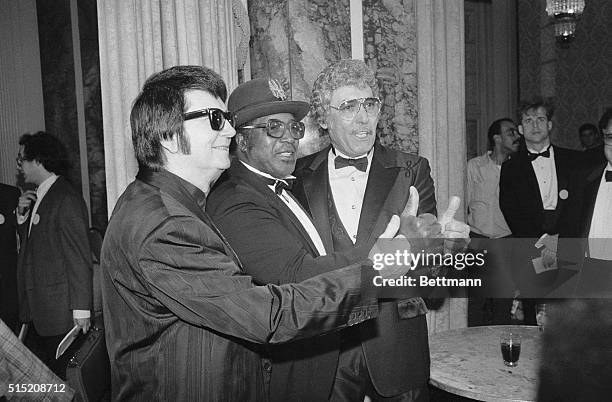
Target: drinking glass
[510,347]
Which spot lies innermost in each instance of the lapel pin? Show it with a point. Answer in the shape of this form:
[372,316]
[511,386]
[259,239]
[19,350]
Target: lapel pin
[1,219]
[563,194]
[35,219]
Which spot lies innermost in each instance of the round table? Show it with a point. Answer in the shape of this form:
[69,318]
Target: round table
[468,362]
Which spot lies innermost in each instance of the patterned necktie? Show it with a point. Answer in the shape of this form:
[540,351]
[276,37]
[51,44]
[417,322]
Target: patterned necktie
[534,155]
[359,163]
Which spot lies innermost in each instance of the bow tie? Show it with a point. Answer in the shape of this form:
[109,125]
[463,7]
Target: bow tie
[359,163]
[608,175]
[534,155]
[279,185]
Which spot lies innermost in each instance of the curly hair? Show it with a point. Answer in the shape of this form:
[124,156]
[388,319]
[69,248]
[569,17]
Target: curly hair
[341,73]
[46,149]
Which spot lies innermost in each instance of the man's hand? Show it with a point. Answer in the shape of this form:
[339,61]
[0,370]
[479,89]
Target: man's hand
[424,231]
[455,233]
[26,201]
[83,323]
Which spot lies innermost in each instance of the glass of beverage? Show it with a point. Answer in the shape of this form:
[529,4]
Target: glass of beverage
[510,347]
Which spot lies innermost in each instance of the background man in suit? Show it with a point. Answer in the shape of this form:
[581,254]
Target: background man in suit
[349,188]
[181,318]
[592,144]
[9,312]
[487,221]
[272,234]
[533,187]
[54,269]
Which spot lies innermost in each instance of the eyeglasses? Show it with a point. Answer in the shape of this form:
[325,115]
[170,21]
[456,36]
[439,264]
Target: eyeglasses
[217,117]
[276,128]
[349,109]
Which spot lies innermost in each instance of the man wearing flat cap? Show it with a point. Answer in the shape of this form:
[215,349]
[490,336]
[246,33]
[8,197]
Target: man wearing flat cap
[270,231]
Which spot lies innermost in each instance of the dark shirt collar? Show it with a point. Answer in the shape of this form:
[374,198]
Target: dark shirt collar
[166,181]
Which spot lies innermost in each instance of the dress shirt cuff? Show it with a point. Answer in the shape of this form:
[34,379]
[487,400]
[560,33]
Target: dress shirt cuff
[81,314]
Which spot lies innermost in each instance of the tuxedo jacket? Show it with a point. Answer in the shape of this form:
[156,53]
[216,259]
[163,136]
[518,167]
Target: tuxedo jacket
[182,320]
[575,218]
[54,271]
[519,193]
[275,248]
[395,345]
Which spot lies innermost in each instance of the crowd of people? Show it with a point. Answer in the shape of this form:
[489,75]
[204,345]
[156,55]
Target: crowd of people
[231,270]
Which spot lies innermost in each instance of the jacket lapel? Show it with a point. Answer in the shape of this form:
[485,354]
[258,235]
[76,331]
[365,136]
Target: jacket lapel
[590,196]
[380,181]
[532,189]
[316,190]
[251,179]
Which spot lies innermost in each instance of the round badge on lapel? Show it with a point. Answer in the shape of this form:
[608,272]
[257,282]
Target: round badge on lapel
[2,219]
[563,194]
[35,219]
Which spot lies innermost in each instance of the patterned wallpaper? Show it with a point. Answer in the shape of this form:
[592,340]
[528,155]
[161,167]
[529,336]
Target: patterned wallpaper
[579,78]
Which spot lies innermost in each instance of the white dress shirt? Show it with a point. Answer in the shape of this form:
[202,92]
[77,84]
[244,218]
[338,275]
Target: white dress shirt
[546,173]
[41,191]
[600,234]
[484,214]
[296,208]
[348,186]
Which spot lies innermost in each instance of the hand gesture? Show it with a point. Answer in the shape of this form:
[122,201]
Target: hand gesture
[26,201]
[455,233]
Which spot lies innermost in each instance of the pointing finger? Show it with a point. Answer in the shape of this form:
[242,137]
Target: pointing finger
[412,206]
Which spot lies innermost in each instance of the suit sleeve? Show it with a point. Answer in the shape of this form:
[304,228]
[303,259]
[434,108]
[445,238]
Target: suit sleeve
[268,250]
[76,252]
[201,285]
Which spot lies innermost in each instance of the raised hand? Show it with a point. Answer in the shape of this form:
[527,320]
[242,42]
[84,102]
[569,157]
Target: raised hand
[455,233]
[27,199]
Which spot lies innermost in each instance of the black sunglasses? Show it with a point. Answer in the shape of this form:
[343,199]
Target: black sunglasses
[276,128]
[216,116]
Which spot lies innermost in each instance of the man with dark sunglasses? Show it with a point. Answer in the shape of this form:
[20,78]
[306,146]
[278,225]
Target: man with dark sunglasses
[183,322]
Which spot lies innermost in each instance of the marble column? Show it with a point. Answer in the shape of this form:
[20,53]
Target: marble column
[441,118]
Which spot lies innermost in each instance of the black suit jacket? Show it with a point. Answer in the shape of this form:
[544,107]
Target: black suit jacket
[182,319]
[9,197]
[396,344]
[55,268]
[519,193]
[275,248]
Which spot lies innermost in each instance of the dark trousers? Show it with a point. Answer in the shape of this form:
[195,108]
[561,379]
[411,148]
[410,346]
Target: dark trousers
[353,380]
[44,348]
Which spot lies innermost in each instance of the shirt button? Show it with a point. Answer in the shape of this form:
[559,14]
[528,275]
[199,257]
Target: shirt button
[354,236]
[352,179]
[353,206]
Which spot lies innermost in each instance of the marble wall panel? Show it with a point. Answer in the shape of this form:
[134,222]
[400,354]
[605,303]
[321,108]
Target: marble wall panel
[295,39]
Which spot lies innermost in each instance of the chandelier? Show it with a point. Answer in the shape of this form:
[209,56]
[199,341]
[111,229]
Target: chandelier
[565,13]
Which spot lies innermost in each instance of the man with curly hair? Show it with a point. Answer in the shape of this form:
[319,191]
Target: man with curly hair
[349,188]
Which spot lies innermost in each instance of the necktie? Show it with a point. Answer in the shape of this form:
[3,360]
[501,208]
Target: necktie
[534,155]
[608,175]
[359,163]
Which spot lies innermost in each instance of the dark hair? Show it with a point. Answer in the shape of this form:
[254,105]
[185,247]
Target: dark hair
[157,113]
[495,129]
[588,126]
[46,149]
[605,119]
[535,104]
